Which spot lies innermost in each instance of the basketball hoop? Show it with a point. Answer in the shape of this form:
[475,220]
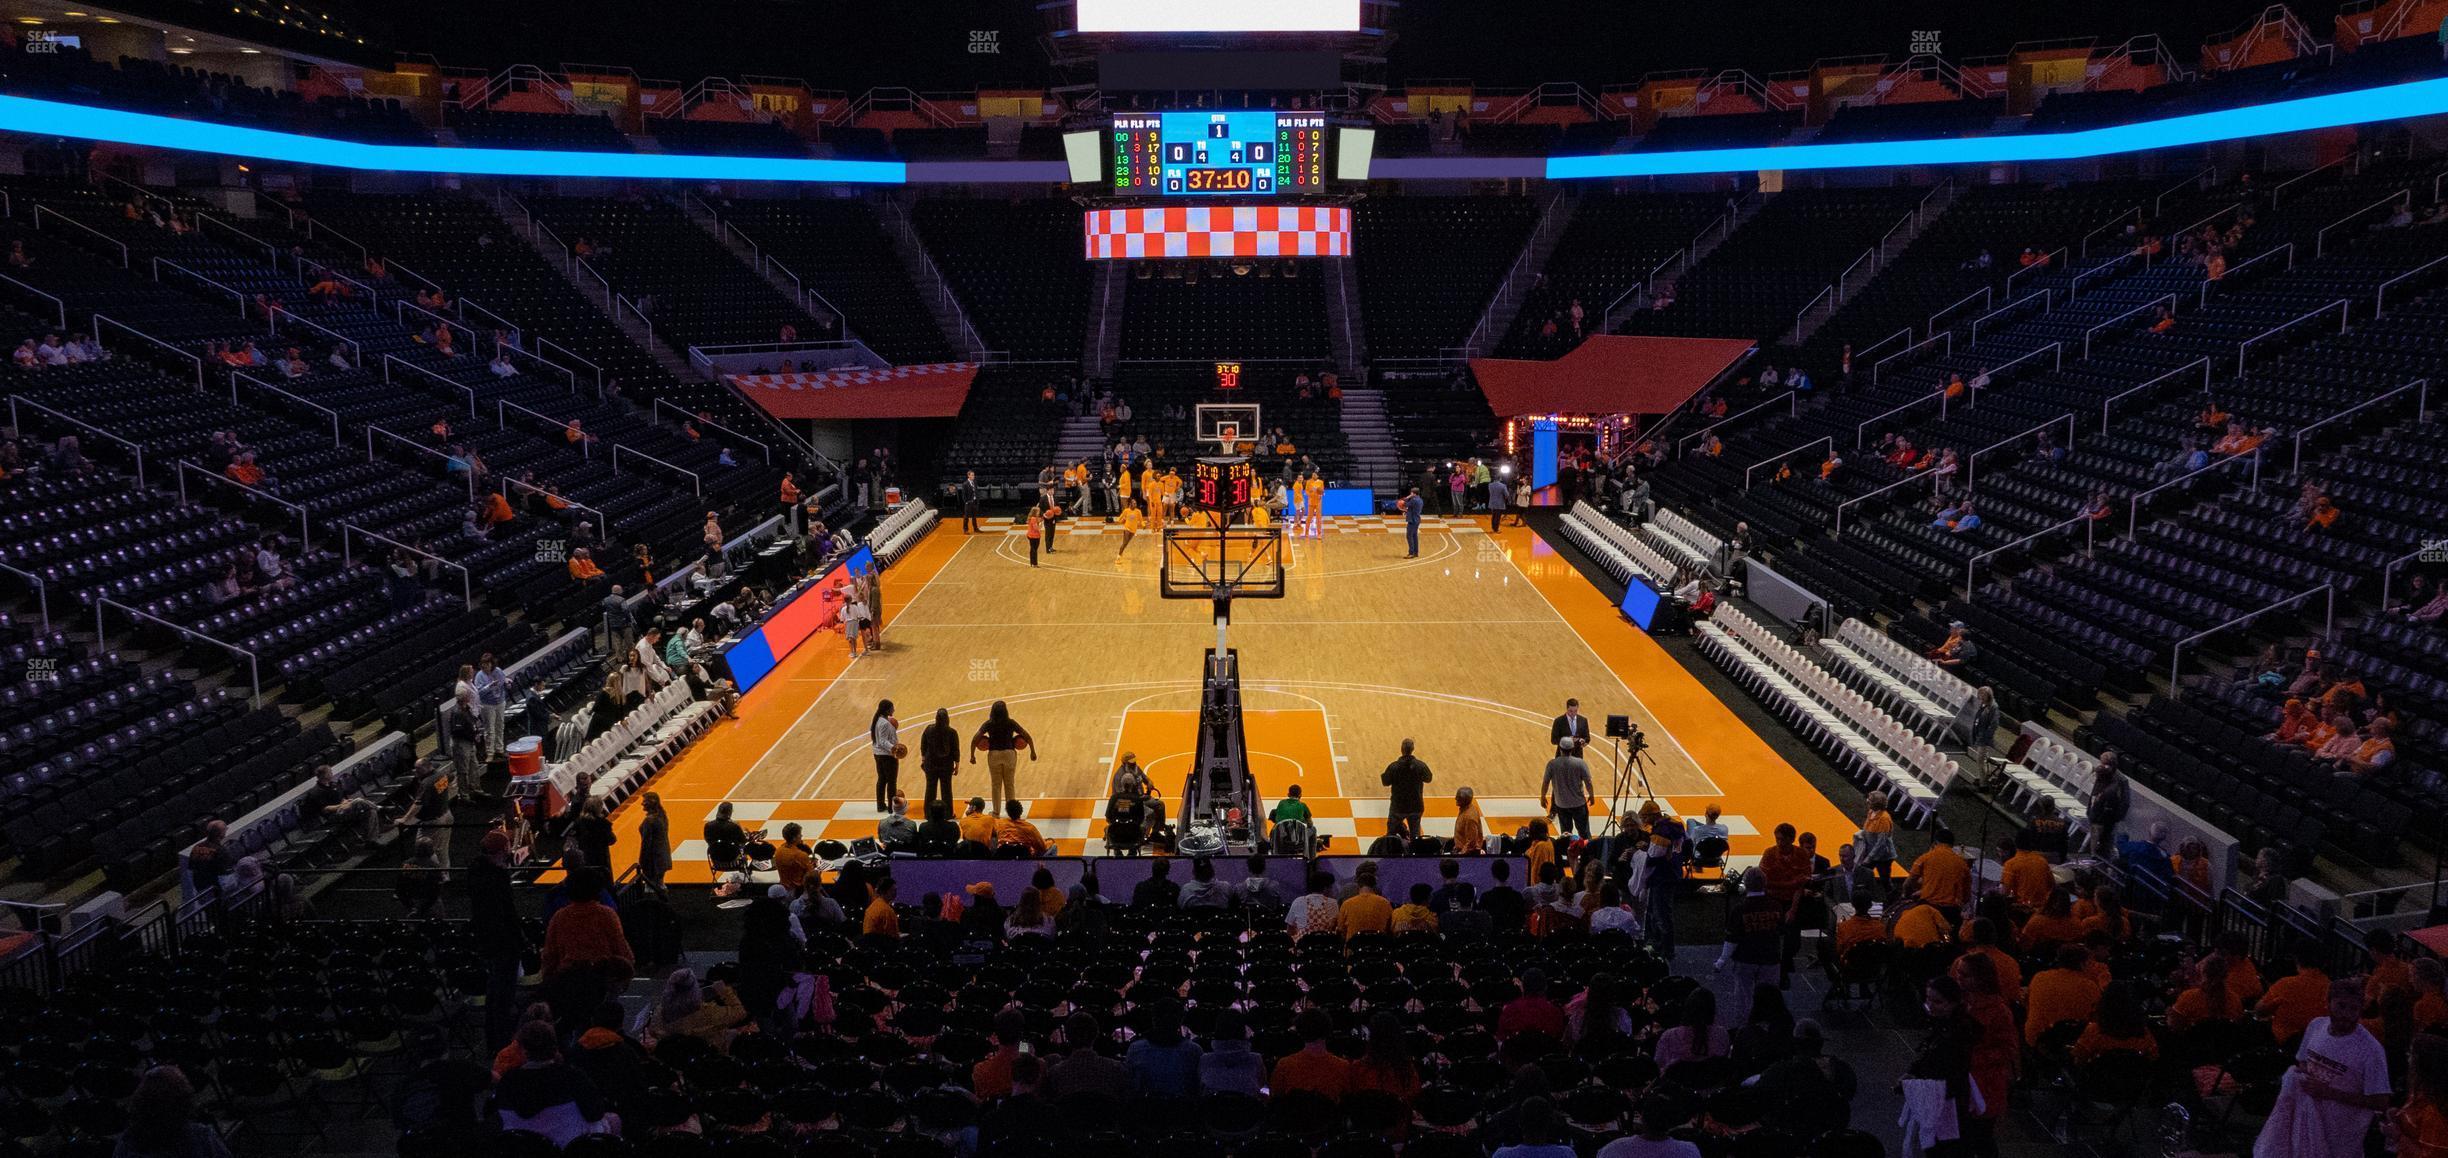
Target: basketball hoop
[1227,424]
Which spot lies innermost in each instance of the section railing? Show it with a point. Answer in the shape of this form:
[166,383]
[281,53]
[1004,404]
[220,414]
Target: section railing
[467,475]
[348,556]
[2422,412]
[2168,300]
[2133,510]
[1972,565]
[356,352]
[2326,591]
[660,405]
[1782,456]
[603,524]
[17,421]
[184,633]
[391,360]
[184,468]
[1793,405]
[695,483]
[239,298]
[59,308]
[237,376]
[2344,310]
[107,239]
[2130,391]
[100,321]
[1971,461]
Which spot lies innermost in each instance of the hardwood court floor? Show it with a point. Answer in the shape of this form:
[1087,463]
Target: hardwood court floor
[1469,650]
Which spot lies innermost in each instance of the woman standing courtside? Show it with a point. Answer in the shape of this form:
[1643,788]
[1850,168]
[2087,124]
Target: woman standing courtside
[938,759]
[1001,738]
[884,736]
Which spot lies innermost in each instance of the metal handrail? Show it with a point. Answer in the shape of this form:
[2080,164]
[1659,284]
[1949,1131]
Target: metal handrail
[2422,410]
[1986,294]
[2074,284]
[1807,307]
[2281,187]
[159,262]
[99,319]
[586,446]
[326,269]
[603,524]
[1869,255]
[2343,306]
[102,640]
[39,210]
[1972,565]
[518,334]
[2320,240]
[2170,299]
[135,448]
[2176,653]
[2379,296]
[1972,459]
[544,343]
[2048,302]
[2388,570]
[1793,405]
[2084,248]
[42,591]
[1782,456]
[2159,203]
[1881,365]
[513,348]
[696,482]
[2053,259]
[271,252]
[412,444]
[1991,372]
[356,352]
[467,585]
[1930,477]
[237,376]
[759,443]
[2288,250]
[390,360]
[2133,510]
[2128,392]
[1861,429]
[138,190]
[625,302]
[54,299]
[1906,333]
[182,466]
[2188,230]
[401,306]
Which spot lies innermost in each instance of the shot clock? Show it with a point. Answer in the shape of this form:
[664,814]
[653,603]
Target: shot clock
[1223,484]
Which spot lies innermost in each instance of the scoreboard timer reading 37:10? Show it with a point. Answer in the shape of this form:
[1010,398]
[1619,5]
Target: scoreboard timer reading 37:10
[1219,154]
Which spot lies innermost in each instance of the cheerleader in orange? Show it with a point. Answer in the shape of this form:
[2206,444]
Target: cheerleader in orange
[1317,504]
[1130,527]
[1122,487]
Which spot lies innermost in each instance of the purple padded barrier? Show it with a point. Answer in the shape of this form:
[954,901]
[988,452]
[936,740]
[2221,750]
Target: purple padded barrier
[1117,876]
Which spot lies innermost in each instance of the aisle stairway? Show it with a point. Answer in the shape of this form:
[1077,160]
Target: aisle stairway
[1083,439]
[1375,459]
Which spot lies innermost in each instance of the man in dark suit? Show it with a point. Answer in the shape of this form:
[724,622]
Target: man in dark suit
[1571,732]
[968,493]
[1413,506]
[1405,802]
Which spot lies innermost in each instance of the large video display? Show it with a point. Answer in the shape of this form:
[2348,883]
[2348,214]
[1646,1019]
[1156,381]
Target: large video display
[1248,153]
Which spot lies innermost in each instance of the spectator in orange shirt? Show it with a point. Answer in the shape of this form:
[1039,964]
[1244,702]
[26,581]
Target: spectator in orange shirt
[1941,876]
[1017,831]
[1982,938]
[793,861]
[2388,968]
[2295,1001]
[991,1077]
[2061,994]
[2324,516]
[2026,875]
[2119,1026]
[582,566]
[2192,863]
[1313,1068]
[1366,911]
[882,920]
[2210,1001]
[2430,981]
[2054,924]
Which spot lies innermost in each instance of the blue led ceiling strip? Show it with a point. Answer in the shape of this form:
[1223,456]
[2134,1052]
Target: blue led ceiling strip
[2386,103]
[53,118]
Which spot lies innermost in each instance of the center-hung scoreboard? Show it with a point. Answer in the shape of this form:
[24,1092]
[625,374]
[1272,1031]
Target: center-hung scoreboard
[1256,152]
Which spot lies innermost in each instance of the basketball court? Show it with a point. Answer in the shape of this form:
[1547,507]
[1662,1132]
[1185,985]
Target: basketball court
[1470,650]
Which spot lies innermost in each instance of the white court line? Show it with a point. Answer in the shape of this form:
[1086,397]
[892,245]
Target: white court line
[1610,669]
[828,690]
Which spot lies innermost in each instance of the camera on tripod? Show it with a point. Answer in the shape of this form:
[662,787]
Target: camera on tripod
[1622,728]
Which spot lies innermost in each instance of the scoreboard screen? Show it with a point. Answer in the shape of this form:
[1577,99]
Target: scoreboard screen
[1219,154]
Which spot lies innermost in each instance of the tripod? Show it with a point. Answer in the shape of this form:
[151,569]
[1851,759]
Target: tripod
[1621,801]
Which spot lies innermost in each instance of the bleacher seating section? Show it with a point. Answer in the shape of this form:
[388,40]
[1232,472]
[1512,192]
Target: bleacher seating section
[1260,309]
[1428,265]
[840,248]
[1016,266]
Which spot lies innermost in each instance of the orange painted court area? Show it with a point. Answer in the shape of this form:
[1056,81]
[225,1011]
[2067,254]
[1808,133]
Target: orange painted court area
[1470,648]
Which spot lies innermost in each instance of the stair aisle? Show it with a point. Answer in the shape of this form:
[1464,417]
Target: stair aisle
[1376,460]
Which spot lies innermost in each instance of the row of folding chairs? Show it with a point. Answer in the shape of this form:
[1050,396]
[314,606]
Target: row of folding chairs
[1879,750]
[1944,688]
[1685,538]
[1624,554]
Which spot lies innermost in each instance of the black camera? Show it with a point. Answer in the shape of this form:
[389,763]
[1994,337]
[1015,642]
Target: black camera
[1622,728]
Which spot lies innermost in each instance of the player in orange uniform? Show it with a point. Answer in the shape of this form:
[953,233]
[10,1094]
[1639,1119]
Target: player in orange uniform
[1316,485]
[1130,527]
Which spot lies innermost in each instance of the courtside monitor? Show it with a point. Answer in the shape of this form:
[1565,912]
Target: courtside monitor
[1640,603]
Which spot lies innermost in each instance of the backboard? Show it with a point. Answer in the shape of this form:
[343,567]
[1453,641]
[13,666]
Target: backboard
[1227,425]
[1202,562]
